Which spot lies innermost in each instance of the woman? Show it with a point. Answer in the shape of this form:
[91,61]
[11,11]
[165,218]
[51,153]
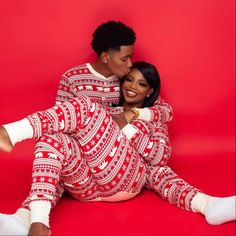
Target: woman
[120,154]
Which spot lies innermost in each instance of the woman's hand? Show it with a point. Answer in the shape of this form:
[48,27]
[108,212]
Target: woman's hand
[120,120]
[124,118]
[129,115]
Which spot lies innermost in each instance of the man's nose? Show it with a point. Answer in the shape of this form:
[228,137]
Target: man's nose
[129,63]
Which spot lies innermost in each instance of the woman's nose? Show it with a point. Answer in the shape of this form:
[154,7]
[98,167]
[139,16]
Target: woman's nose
[133,85]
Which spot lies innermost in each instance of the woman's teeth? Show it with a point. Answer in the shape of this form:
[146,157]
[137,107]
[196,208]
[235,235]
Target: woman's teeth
[130,93]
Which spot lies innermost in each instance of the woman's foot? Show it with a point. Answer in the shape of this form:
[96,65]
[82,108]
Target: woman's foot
[221,210]
[39,229]
[216,210]
[5,142]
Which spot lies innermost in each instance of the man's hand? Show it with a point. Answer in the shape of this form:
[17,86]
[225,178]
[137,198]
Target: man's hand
[5,142]
[39,229]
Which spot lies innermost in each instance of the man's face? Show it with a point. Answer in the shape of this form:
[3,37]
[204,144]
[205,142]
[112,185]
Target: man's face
[119,62]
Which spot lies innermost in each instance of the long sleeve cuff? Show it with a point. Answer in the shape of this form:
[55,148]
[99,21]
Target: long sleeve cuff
[129,131]
[19,130]
[144,114]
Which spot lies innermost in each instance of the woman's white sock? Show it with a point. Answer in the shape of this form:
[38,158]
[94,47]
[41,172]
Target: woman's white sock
[221,210]
[216,210]
[19,131]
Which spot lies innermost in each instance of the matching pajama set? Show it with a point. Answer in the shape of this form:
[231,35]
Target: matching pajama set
[80,149]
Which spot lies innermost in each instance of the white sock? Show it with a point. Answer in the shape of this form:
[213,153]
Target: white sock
[19,131]
[24,214]
[14,224]
[216,210]
[39,212]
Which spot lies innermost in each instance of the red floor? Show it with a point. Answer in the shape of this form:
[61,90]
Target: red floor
[147,214]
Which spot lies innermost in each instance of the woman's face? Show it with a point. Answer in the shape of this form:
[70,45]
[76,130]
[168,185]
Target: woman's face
[119,62]
[135,89]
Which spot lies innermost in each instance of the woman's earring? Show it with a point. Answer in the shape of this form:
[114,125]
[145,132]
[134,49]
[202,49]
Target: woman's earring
[105,61]
[148,95]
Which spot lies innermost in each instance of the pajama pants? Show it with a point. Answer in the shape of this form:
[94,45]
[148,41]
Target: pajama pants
[80,149]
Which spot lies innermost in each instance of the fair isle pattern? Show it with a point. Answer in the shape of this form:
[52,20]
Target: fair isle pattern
[152,142]
[97,160]
[76,176]
[82,80]
[169,186]
[161,112]
[105,162]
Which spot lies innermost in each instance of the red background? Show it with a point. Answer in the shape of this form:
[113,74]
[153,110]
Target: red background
[191,42]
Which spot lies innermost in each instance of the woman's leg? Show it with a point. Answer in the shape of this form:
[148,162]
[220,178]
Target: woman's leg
[178,192]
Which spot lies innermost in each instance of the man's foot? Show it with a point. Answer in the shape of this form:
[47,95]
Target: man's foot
[39,229]
[5,142]
[11,224]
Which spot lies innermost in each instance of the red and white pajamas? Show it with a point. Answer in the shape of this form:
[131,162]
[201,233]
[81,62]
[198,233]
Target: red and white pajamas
[80,149]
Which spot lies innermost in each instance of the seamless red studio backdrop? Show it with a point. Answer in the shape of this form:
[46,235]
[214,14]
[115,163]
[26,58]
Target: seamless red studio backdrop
[191,42]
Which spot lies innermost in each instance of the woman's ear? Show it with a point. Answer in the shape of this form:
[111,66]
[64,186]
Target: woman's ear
[151,90]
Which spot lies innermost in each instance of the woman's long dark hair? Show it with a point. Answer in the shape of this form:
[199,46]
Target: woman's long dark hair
[151,74]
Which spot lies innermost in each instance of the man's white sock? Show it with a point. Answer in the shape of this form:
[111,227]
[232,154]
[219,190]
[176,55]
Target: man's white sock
[19,131]
[216,210]
[15,224]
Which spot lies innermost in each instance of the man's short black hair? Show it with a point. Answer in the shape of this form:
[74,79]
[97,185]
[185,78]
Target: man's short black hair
[112,35]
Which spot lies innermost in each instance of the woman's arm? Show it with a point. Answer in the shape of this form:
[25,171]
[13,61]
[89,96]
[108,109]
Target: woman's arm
[150,141]
[160,112]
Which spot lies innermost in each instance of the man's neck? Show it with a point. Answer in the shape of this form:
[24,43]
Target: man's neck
[101,68]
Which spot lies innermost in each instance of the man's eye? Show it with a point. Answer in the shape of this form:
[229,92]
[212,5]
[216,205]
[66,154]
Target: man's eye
[124,59]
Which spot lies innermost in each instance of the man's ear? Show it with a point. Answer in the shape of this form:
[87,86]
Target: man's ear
[104,57]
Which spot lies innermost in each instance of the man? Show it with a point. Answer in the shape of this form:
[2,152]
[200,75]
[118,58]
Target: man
[114,44]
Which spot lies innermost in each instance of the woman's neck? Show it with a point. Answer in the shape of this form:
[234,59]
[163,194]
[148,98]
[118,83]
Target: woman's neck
[128,106]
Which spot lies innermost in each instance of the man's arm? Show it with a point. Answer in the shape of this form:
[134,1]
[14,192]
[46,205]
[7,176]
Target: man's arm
[65,90]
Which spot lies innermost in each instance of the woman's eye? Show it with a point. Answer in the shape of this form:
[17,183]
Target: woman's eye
[143,85]
[128,79]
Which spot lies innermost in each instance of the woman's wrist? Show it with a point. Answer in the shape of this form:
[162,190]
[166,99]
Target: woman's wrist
[129,116]
[136,112]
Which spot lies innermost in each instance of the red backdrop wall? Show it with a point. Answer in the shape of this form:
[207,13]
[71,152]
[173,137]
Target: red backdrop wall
[191,42]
